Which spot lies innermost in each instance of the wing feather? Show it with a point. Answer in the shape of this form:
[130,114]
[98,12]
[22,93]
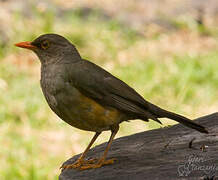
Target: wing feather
[107,90]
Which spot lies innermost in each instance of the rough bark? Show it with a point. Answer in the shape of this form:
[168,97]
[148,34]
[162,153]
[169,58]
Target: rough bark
[165,153]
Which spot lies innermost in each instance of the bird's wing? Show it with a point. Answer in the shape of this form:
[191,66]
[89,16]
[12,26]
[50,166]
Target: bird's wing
[98,84]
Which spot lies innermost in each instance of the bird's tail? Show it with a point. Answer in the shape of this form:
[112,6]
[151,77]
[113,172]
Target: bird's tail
[161,113]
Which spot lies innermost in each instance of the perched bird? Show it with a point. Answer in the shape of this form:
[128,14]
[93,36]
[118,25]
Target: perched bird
[89,98]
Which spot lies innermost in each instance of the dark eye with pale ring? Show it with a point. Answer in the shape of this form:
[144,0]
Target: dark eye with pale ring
[45,44]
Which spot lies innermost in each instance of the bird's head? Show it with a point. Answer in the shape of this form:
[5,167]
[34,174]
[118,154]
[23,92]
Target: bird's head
[51,48]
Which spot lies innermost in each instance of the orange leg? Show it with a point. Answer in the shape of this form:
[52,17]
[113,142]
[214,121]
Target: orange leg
[80,161]
[102,161]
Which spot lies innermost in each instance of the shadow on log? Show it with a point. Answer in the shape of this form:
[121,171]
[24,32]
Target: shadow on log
[174,152]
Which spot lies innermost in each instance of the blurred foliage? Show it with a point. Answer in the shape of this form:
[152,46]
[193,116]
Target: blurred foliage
[176,70]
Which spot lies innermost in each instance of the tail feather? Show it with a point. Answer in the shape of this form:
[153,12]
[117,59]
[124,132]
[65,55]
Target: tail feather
[161,113]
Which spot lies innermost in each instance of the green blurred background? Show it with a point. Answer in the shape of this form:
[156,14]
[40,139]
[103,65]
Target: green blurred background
[167,50]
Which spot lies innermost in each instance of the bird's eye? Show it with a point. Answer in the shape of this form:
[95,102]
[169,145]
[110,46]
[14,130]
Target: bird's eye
[45,44]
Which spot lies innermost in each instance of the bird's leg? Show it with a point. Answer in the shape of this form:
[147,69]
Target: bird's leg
[80,161]
[102,161]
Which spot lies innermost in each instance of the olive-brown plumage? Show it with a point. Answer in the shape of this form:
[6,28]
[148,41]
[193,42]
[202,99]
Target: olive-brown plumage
[87,97]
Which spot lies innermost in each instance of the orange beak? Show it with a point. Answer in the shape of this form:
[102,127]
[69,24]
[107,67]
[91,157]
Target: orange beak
[26,45]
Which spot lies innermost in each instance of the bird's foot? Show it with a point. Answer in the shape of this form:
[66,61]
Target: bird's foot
[99,164]
[79,163]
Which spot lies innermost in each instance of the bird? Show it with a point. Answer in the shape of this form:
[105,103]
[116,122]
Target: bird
[87,97]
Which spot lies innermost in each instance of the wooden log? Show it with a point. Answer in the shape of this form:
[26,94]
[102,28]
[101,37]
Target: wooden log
[175,152]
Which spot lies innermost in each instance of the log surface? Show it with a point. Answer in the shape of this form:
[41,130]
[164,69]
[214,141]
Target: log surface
[163,153]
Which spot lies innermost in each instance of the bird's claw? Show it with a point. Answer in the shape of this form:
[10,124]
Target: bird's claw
[79,163]
[98,164]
